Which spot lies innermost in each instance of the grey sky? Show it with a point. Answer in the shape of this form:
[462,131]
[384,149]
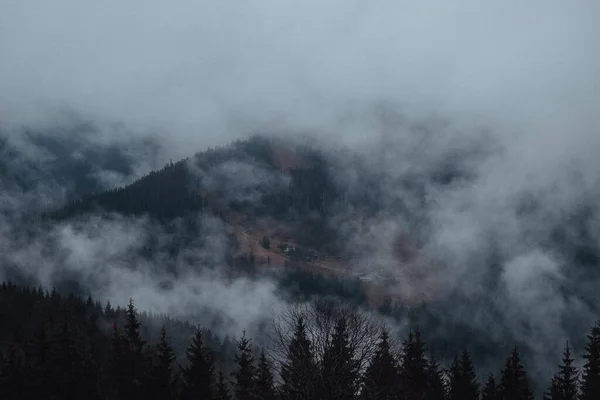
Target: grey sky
[204,72]
[207,71]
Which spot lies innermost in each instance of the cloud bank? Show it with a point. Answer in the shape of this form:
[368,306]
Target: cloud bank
[506,90]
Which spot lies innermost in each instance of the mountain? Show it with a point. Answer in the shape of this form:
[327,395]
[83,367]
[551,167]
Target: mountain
[280,201]
[319,222]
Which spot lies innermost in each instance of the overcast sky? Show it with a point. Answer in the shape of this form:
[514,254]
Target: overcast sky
[206,71]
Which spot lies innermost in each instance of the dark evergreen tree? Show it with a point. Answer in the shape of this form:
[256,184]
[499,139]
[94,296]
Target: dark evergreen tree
[137,362]
[454,380]
[490,390]
[413,368]
[514,383]
[462,383]
[436,388]
[117,368]
[568,376]
[590,382]
[222,391]
[245,374]
[298,370]
[339,370]
[132,329]
[264,388]
[380,379]
[163,383]
[198,375]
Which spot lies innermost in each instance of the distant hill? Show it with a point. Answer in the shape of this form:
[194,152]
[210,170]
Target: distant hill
[276,191]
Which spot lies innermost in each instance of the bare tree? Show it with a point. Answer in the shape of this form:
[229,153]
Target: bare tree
[319,320]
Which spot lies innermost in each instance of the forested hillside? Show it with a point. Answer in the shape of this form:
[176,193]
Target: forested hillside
[58,347]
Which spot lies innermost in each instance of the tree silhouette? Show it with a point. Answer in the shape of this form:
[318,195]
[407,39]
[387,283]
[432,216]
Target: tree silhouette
[380,379]
[463,381]
[514,383]
[264,388]
[568,376]
[590,382]
[244,376]
[490,390]
[198,375]
[222,392]
[339,370]
[413,367]
[162,383]
[298,370]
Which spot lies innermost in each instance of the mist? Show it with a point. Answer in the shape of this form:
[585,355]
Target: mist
[503,93]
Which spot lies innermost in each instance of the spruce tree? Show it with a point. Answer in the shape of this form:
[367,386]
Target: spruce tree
[132,329]
[490,390]
[413,368]
[244,376]
[117,368]
[198,375]
[339,369]
[568,376]
[381,376]
[454,380]
[590,382]
[265,388]
[136,360]
[298,370]
[436,389]
[462,379]
[514,383]
[163,383]
[469,384]
[222,390]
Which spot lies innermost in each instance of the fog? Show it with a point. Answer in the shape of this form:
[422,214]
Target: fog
[208,71]
[507,91]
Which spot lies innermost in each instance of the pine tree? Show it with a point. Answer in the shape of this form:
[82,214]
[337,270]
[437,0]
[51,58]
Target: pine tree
[514,383]
[198,375]
[136,360]
[454,380]
[163,384]
[265,388]
[568,376]
[222,392]
[244,376]
[469,384]
[117,366]
[339,369]
[381,377]
[462,381]
[590,383]
[132,329]
[413,368]
[490,390]
[298,371]
[436,389]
